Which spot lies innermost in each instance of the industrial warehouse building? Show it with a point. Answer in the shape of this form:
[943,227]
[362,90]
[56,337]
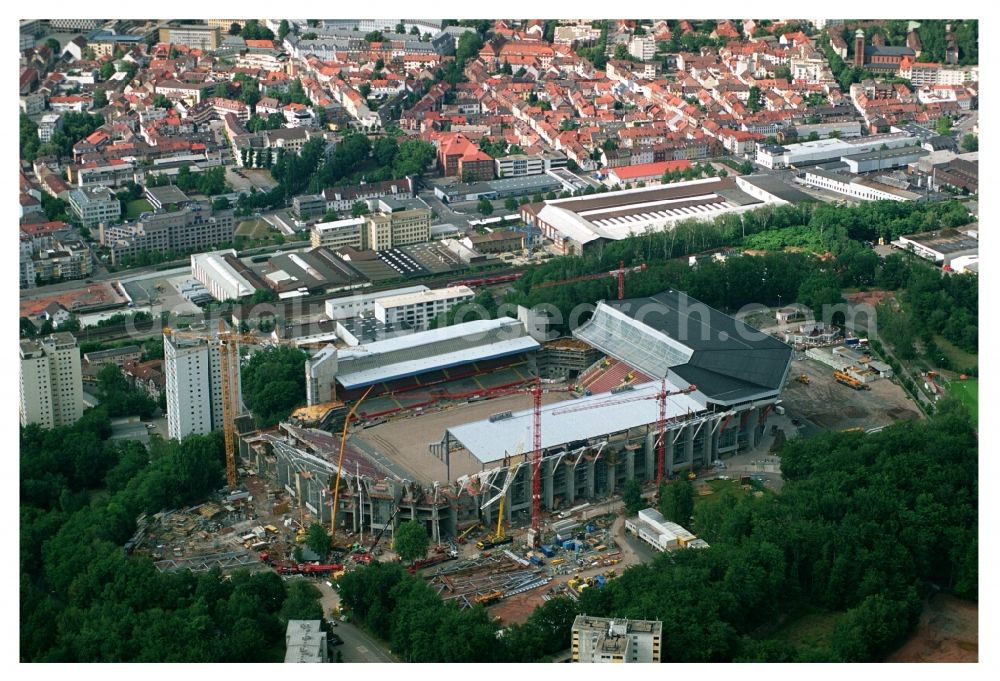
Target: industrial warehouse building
[582,223]
[821,151]
[224,275]
[863,188]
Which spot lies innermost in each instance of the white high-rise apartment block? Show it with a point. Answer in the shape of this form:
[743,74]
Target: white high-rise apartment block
[194,387]
[51,387]
[599,639]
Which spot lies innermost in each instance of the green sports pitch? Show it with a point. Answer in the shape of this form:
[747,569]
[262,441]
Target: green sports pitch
[968,392]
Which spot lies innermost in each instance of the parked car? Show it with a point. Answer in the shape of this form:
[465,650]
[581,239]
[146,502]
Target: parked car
[334,640]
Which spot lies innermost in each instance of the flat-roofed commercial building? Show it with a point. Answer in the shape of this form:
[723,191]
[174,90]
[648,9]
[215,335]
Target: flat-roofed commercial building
[352,306]
[604,640]
[661,534]
[202,36]
[348,232]
[400,228]
[856,187]
[519,165]
[94,205]
[305,641]
[883,159]
[941,247]
[416,310]
[224,275]
[821,151]
[314,270]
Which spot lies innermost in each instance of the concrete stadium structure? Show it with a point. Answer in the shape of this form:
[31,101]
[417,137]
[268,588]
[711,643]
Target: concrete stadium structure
[591,445]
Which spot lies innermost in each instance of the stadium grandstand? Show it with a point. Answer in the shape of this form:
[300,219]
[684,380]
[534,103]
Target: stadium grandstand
[594,444]
[454,362]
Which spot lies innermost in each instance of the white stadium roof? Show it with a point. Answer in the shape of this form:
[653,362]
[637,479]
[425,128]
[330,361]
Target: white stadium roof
[490,441]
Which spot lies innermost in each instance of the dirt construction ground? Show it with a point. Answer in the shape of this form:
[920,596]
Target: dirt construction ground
[948,632]
[406,439]
[829,404]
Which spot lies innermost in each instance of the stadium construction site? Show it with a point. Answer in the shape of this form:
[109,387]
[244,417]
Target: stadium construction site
[445,434]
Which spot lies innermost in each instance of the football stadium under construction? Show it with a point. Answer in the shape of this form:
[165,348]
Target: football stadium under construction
[594,407]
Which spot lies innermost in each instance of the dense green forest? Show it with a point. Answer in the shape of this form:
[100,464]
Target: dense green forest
[866,526]
[84,600]
[932,305]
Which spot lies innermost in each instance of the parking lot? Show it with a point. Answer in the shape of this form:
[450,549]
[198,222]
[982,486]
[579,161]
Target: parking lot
[242,179]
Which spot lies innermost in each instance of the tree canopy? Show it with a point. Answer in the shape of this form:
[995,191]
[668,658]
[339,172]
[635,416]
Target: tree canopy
[318,540]
[863,526]
[273,382]
[410,540]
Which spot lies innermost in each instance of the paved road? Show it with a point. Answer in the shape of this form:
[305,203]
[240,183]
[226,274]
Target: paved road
[358,646]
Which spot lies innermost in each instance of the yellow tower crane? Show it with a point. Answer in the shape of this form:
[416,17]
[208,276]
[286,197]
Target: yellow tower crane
[340,466]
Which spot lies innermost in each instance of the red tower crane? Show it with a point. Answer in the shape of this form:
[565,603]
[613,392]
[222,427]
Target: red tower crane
[661,395]
[619,274]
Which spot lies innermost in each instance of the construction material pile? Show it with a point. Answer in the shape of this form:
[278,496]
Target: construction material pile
[486,580]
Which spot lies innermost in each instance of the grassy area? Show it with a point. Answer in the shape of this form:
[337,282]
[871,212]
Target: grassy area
[968,393]
[255,229]
[722,488]
[810,630]
[133,209]
[960,359]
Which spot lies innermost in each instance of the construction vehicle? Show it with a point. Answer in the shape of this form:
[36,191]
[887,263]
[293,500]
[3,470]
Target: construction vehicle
[368,556]
[308,568]
[803,379]
[488,598]
[461,537]
[440,555]
[340,469]
[850,381]
[498,538]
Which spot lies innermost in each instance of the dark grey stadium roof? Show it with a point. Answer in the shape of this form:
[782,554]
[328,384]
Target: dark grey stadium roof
[728,360]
